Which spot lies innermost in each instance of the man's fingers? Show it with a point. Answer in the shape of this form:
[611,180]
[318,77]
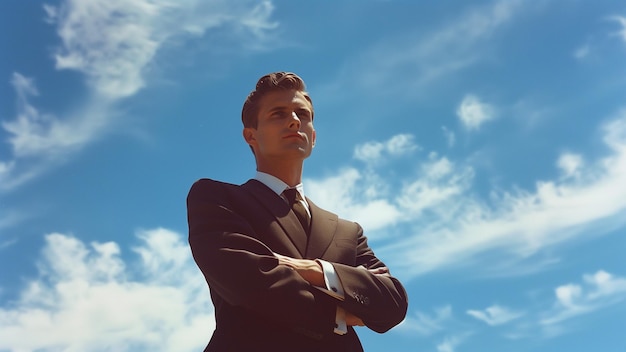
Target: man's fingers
[353,320]
[380,271]
[284,260]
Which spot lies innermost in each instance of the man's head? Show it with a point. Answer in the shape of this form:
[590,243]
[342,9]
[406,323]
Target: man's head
[278,121]
[272,82]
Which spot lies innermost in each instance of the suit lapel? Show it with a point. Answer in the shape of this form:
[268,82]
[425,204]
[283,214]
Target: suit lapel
[274,204]
[323,227]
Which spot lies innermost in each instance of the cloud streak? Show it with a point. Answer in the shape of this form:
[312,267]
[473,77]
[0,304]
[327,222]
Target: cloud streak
[374,152]
[113,44]
[34,133]
[495,315]
[436,222]
[425,324]
[621,20]
[597,291]
[422,59]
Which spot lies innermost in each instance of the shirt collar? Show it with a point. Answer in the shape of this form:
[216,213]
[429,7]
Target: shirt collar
[276,184]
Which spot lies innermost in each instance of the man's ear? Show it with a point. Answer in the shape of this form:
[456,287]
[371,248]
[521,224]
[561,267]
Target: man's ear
[314,136]
[248,135]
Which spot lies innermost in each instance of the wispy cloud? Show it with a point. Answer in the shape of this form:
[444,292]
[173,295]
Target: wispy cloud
[421,59]
[88,298]
[425,324]
[582,52]
[495,315]
[374,152]
[596,291]
[436,221]
[450,343]
[10,217]
[34,133]
[473,112]
[40,140]
[113,44]
[621,20]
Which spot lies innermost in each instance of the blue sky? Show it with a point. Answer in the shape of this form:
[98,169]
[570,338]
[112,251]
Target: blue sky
[481,144]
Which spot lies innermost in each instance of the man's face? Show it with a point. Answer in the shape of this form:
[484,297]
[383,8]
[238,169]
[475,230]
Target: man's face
[285,127]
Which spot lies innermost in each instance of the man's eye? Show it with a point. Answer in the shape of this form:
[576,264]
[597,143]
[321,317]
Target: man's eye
[304,114]
[278,114]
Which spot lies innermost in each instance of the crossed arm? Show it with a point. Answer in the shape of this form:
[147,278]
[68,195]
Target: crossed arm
[312,272]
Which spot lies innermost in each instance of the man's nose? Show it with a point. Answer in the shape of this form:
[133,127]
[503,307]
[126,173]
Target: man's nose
[295,120]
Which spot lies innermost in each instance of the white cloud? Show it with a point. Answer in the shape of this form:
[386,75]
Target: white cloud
[369,152]
[438,185]
[9,217]
[437,222]
[401,144]
[473,113]
[450,343]
[113,43]
[366,196]
[567,294]
[41,140]
[373,152]
[605,284]
[582,52]
[88,298]
[521,224]
[570,164]
[597,291]
[34,133]
[622,21]
[425,324]
[495,315]
[338,193]
[258,21]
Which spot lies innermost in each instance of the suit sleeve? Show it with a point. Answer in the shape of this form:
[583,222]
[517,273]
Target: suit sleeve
[379,300]
[243,271]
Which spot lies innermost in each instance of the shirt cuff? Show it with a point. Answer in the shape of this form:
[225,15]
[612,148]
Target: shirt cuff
[334,287]
[340,322]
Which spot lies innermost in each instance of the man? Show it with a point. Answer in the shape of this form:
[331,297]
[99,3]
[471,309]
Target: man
[284,274]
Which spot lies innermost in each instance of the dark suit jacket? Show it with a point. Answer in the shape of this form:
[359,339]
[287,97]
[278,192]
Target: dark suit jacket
[261,306]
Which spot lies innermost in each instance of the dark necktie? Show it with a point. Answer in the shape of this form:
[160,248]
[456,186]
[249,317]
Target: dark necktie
[294,199]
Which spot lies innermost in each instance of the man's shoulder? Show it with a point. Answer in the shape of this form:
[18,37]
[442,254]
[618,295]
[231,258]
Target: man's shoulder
[210,183]
[212,188]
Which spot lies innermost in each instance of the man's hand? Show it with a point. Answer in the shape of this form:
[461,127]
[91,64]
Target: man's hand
[310,270]
[353,320]
[382,271]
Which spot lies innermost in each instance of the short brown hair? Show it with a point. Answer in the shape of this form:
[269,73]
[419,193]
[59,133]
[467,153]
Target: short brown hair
[266,84]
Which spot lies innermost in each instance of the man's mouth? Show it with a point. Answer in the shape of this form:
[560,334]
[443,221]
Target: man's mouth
[294,135]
